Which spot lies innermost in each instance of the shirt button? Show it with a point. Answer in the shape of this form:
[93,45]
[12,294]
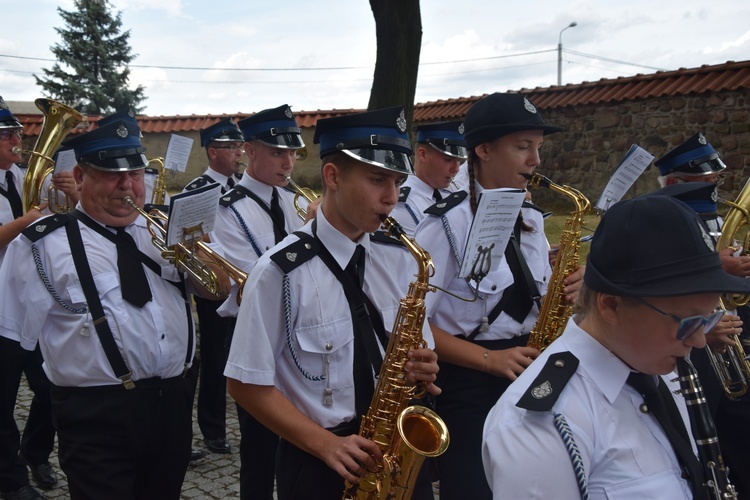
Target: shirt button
[329,346]
[162,336]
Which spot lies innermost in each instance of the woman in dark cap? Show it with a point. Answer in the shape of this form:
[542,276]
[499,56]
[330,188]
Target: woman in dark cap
[482,344]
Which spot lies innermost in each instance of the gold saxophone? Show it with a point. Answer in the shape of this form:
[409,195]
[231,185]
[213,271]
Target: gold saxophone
[555,310]
[732,368]
[405,434]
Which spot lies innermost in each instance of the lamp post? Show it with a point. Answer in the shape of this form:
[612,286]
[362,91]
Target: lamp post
[559,52]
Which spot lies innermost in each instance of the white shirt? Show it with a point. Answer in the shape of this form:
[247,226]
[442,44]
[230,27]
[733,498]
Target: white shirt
[153,339]
[409,213]
[322,329]
[461,318]
[231,231]
[625,452]
[6,212]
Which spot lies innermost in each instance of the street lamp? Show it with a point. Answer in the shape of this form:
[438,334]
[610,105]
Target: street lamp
[559,52]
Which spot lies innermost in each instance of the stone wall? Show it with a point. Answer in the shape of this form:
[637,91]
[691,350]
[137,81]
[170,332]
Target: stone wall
[597,137]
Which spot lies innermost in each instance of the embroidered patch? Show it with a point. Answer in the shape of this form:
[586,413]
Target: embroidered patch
[227,198]
[291,256]
[440,205]
[40,228]
[542,390]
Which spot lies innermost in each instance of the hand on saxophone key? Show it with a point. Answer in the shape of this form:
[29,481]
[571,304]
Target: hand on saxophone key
[352,457]
[573,284]
[422,368]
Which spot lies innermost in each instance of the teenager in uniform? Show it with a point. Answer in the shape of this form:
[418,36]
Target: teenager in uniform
[596,414]
[113,322]
[440,149]
[258,213]
[300,362]
[482,344]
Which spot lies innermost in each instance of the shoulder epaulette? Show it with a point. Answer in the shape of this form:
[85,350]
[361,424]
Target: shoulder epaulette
[44,226]
[403,195]
[297,253]
[549,384]
[450,201]
[289,188]
[152,171]
[385,238]
[528,204]
[199,182]
[230,197]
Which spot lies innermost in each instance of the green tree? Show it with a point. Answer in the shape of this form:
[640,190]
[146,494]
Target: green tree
[398,28]
[91,71]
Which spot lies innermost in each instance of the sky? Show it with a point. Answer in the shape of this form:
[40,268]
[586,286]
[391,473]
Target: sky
[245,56]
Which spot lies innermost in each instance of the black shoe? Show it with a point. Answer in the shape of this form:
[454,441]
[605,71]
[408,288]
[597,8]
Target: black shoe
[44,475]
[218,445]
[196,454]
[26,492]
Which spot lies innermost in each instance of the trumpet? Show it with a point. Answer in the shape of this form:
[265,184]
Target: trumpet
[307,193]
[184,257]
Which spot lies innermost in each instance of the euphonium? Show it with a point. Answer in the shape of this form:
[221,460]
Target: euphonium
[158,195]
[306,193]
[59,119]
[715,473]
[405,434]
[555,310]
[185,258]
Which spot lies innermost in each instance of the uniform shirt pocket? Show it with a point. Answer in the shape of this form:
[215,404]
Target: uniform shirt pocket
[108,287]
[328,347]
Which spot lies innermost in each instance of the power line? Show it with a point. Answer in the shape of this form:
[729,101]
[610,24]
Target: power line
[616,61]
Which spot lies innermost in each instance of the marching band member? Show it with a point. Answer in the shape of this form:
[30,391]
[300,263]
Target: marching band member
[113,322]
[254,216]
[482,344]
[440,148]
[300,362]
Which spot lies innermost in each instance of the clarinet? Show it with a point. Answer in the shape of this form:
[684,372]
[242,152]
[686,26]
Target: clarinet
[715,472]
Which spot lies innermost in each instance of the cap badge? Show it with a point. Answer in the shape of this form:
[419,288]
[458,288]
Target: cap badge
[702,139]
[122,131]
[706,237]
[461,129]
[131,114]
[3,105]
[288,113]
[529,107]
[401,122]
[291,256]
[542,390]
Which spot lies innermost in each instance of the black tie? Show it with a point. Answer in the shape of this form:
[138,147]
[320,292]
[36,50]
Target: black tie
[13,198]
[660,403]
[436,194]
[520,301]
[277,216]
[133,280]
[230,183]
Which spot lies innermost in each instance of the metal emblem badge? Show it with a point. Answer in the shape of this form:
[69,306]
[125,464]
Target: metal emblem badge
[291,256]
[122,131]
[401,122]
[288,113]
[702,139]
[542,390]
[40,228]
[461,128]
[441,205]
[529,107]
[227,198]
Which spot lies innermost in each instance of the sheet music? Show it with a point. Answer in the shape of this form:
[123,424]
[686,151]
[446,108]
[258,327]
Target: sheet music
[65,161]
[630,168]
[178,152]
[491,228]
[192,209]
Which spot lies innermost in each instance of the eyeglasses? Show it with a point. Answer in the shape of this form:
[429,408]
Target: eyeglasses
[6,134]
[691,324]
[233,148]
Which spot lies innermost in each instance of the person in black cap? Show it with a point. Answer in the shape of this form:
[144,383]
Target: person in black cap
[113,322]
[39,434]
[299,362]
[695,160]
[482,344]
[252,218]
[224,148]
[577,421]
[440,149]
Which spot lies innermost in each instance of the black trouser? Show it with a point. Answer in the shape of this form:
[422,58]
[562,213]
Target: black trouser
[257,451]
[212,391]
[468,396]
[39,433]
[125,444]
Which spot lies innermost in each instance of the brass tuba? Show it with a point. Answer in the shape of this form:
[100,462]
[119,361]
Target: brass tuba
[306,193]
[184,258]
[405,434]
[59,119]
[555,310]
[732,368]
